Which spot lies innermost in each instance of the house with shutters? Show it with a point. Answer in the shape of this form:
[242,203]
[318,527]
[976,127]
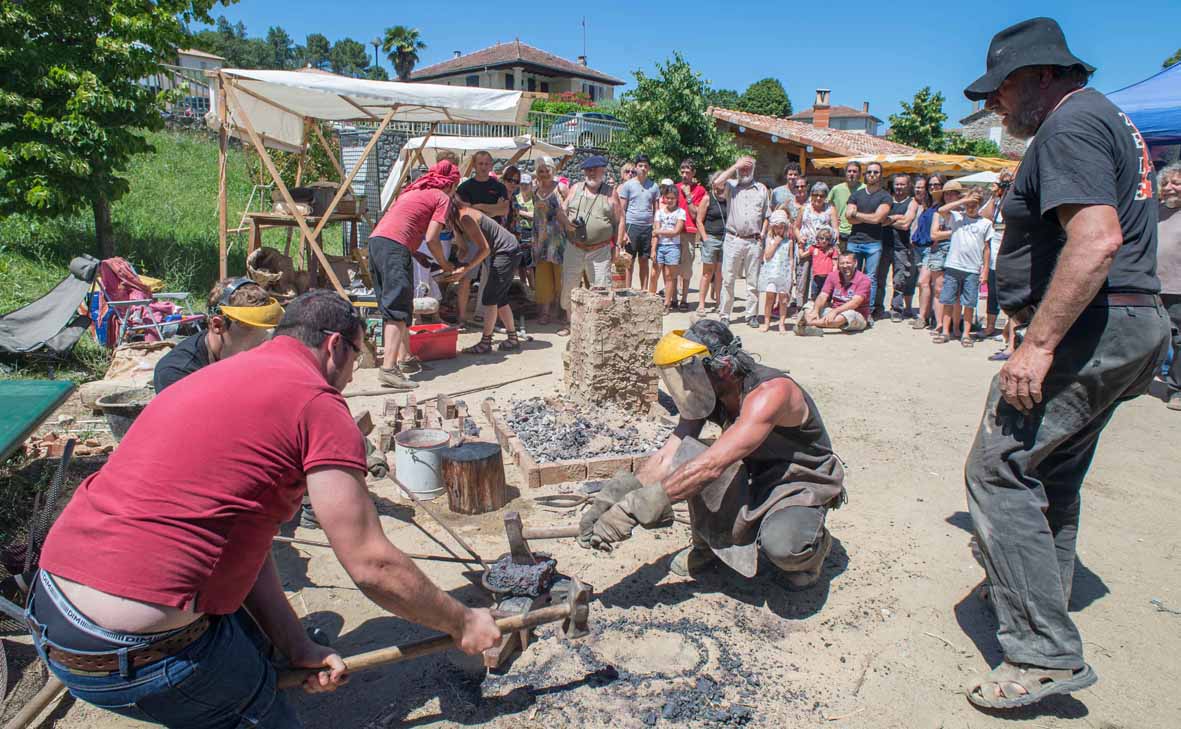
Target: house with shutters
[521,67]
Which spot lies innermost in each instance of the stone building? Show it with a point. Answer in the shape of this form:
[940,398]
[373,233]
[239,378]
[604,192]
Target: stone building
[983,124]
[521,67]
[775,142]
[844,118]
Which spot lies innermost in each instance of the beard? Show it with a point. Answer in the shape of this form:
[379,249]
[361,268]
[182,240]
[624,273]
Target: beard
[592,183]
[1032,110]
[746,179]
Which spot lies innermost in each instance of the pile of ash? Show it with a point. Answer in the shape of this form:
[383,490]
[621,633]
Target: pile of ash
[554,430]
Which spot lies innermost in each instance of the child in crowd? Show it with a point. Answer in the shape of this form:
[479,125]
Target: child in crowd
[667,226]
[775,275]
[961,271]
[824,254]
[523,207]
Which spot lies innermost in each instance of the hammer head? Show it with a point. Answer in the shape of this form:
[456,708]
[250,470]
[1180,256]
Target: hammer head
[517,545]
[578,597]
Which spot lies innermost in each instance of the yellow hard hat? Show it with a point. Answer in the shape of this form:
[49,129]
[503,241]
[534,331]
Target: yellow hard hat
[266,316]
[674,348]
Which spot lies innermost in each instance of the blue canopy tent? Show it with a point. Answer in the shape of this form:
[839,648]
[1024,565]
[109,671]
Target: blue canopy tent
[1154,106]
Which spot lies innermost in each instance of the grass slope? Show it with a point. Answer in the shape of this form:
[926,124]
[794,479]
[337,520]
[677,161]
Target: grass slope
[166,226]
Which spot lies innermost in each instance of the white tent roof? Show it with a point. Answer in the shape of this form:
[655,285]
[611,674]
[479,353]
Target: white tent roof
[980,178]
[296,95]
[465,148]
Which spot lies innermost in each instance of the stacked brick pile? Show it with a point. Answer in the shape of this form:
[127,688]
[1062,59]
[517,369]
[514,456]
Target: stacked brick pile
[608,358]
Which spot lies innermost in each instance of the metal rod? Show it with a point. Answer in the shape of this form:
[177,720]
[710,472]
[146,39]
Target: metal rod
[375,393]
[411,555]
[430,512]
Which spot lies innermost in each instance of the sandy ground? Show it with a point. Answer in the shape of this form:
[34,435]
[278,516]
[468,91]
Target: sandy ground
[887,639]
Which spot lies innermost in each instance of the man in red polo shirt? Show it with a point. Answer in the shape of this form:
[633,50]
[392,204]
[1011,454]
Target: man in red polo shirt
[843,303]
[158,575]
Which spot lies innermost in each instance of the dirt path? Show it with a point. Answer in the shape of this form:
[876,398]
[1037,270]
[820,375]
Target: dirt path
[887,640]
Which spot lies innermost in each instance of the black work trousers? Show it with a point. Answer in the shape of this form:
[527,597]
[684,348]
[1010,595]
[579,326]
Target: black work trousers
[1024,475]
[1173,306]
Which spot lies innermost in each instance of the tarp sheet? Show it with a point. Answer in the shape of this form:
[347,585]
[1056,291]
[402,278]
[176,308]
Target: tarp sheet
[464,147]
[296,95]
[925,162]
[1154,105]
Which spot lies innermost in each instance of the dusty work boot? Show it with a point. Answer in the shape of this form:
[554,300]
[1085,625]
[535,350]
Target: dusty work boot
[809,573]
[692,561]
[394,379]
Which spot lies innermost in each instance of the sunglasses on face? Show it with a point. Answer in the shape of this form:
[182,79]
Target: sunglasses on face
[628,173]
[875,173]
[513,180]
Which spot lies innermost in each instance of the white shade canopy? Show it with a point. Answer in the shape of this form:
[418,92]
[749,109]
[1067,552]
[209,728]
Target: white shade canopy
[523,147]
[278,102]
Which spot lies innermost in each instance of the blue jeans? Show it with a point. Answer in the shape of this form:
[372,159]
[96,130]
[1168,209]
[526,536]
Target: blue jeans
[868,256]
[223,680]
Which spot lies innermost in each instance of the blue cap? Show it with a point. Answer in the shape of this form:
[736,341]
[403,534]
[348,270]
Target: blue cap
[596,161]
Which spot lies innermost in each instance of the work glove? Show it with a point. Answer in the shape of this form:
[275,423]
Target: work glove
[648,506]
[620,485]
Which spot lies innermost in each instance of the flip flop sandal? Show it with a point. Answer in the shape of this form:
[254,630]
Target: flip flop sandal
[999,357]
[967,342]
[1036,683]
[512,344]
[484,346]
[938,339]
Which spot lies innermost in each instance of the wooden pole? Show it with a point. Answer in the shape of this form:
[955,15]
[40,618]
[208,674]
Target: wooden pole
[298,181]
[803,161]
[517,156]
[299,218]
[222,143]
[53,690]
[406,171]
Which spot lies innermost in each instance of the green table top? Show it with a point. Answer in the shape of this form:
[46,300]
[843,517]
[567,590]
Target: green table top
[24,405]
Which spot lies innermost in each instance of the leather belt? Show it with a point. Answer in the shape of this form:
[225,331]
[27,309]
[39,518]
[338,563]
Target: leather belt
[136,657]
[1104,300]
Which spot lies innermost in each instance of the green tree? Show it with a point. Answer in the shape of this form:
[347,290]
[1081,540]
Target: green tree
[1175,58]
[921,122]
[666,120]
[282,48]
[766,97]
[72,108]
[724,98]
[349,57]
[376,73]
[401,46]
[317,52]
[956,143]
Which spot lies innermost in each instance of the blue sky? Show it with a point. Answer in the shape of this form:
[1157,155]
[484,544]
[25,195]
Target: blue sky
[881,57]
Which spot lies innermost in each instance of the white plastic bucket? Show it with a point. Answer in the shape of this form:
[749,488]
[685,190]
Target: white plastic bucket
[417,462]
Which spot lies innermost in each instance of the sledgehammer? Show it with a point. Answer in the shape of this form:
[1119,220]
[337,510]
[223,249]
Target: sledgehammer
[574,612]
[519,535]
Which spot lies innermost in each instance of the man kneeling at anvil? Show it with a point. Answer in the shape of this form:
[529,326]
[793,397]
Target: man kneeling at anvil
[766,483]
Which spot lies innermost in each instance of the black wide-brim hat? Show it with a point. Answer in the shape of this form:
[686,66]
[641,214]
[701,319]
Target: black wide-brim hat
[1035,42]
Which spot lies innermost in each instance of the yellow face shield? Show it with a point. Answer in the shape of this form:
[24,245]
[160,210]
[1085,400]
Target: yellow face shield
[266,316]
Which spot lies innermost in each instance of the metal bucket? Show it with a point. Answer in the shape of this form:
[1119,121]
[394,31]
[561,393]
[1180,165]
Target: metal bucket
[417,461]
[122,408]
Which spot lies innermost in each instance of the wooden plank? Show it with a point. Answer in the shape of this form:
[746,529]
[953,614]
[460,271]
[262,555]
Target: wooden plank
[222,146]
[358,107]
[299,219]
[266,101]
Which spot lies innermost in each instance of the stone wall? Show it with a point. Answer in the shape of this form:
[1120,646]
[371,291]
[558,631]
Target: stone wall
[608,358]
[981,129]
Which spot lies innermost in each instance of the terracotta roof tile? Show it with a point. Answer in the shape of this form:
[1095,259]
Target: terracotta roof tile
[510,53]
[835,112]
[823,140]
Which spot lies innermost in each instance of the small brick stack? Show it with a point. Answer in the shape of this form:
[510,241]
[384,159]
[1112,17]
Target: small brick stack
[609,354]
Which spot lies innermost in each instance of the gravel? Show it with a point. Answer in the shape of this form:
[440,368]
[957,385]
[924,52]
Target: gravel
[557,430]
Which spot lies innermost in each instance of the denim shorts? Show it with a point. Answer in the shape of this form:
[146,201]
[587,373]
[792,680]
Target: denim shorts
[668,254]
[923,253]
[711,250]
[960,287]
[937,257]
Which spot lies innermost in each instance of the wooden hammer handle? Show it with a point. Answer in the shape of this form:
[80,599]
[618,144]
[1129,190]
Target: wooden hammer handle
[551,532]
[427,646]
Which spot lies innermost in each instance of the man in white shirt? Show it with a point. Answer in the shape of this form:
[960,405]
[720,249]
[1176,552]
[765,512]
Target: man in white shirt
[742,249]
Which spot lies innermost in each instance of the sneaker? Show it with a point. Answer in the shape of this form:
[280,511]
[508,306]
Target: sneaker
[307,517]
[411,366]
[1174,401]
[394,379]
[753,321]
[918,324]
[692,561]
[809,331]
[896,316]
[725,320]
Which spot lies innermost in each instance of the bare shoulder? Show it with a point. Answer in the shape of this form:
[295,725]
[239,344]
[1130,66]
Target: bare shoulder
[779,400]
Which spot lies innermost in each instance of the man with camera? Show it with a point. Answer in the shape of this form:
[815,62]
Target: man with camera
[594,214]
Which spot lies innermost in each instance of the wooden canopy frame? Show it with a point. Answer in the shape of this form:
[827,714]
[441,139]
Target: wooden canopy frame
[229,92]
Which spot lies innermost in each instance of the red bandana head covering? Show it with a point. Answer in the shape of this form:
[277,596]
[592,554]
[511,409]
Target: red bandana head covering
[439,177]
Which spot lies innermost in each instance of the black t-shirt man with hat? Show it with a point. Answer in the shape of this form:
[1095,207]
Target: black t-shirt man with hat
[1077,264]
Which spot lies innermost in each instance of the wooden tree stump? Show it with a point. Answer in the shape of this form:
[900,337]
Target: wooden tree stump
[473,474]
